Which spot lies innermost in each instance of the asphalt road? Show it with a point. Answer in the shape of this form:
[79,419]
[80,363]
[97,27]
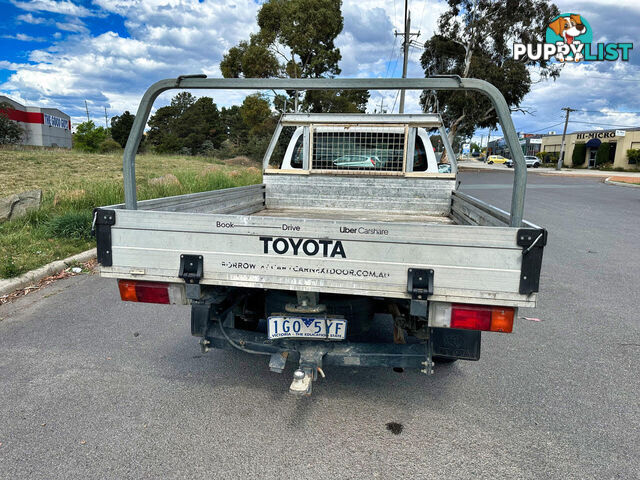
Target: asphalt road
[83,396]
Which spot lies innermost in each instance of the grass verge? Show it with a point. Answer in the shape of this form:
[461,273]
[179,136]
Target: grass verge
[71,190]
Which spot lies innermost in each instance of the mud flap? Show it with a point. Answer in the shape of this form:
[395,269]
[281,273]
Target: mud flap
[453,343]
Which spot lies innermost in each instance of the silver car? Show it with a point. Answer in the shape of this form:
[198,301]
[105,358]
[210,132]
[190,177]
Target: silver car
[531,161]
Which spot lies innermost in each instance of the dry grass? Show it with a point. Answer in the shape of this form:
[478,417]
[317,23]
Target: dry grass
[58,169]
[73,183]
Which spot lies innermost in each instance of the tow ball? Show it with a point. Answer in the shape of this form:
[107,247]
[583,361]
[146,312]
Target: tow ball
[309,367]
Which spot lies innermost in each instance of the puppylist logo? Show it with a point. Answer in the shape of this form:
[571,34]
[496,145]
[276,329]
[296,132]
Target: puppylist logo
[569,39]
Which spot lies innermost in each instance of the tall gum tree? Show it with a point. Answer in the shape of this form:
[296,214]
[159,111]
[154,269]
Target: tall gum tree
[296,39]
[474,39]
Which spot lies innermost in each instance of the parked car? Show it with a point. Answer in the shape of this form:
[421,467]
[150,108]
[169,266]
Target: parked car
[362,161]
[530,159]
[496,159]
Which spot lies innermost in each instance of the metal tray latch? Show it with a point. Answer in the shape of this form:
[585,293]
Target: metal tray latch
[190,268]
[532,241]
[420,283]
[420,286]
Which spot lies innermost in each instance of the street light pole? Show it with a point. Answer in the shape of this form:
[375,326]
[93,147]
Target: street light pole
[564,134]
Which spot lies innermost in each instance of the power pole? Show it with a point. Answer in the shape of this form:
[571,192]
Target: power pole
[564,134]
[106,125]
[87,109]
[405,46]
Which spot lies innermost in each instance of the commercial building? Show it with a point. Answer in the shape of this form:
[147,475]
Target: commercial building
[529,143]
[44,127]
[590,147]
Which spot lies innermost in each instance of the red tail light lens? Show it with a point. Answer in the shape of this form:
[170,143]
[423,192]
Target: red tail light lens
[470,317]
[478,317]
[145,292]
[373,162]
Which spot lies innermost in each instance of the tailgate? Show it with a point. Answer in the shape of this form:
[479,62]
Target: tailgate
[472,264]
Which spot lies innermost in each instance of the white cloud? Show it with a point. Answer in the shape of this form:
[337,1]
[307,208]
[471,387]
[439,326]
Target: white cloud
[29,18]
[63,7]
[602,5]
[25,38]
[114,71]
[168,38]
[75,26]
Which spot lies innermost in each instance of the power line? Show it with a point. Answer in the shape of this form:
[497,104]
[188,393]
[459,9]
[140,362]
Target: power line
[605,124]
[394,101]
[605,112]
[395,39]
[616,79]
[395,14]
[395,66]
[424,3]
[546,128]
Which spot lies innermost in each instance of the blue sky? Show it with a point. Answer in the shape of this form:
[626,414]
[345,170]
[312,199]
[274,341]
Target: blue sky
[60,53]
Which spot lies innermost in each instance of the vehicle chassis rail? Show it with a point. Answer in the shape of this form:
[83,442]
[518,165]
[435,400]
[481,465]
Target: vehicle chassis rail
[337,353]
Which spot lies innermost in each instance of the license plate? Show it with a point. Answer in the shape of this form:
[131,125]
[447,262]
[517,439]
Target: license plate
[312,328]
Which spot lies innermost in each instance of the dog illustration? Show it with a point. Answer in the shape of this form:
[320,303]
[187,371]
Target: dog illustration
[568,28]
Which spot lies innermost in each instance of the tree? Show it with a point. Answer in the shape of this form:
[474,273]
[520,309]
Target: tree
[474,39]
[256,115]
[342,101]
[234,125]
[10,131]
[579,154]
[121,127]
[199,123]
[88,137]
[295,40]
[186,124]
[603,154]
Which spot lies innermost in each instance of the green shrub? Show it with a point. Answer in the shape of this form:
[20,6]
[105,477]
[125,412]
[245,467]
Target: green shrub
[548,157]
[8,268]
[109,145]
[633,156]
[602,156]
[72,224]
[579,154]
[88,137]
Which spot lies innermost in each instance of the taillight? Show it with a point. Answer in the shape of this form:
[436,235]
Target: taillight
[373,162]
[145,292]
[472,317]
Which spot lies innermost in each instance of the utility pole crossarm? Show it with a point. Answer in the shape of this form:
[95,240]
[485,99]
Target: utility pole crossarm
[564,134]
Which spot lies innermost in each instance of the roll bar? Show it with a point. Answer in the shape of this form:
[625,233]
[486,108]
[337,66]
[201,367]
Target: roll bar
[431,83]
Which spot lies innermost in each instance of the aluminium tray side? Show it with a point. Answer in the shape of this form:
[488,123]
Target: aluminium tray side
[471,263]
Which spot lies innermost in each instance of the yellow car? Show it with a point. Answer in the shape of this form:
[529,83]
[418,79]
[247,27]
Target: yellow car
[496,159]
